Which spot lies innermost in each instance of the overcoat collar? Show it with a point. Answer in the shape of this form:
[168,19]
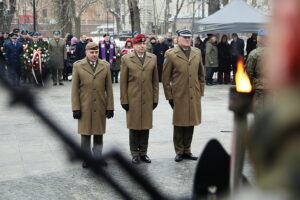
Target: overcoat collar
[86,66]
[181,55]
[135,59]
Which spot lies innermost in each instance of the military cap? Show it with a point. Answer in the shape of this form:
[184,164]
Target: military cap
[135,32]
[24,32]
[30,33]
[16,30]
[139,38]
[92,46]
[14,36]
[105,35]
[35,34]
[262,32]
[56,32]
[184,33]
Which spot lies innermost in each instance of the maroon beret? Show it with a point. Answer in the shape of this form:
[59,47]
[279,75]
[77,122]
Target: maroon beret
[139,38]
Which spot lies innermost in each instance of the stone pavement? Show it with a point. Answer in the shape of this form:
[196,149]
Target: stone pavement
[35,165]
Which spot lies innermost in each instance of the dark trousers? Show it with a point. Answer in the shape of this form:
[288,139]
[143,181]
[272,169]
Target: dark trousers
[2,67]
[160,70]
[97,146]
[234,60]
[14,76]
[57,75]
[182,138]
[138,142]
[224,75]
[115,76]
[209,74]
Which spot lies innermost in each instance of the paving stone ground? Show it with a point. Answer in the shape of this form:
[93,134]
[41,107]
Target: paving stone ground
[34,164]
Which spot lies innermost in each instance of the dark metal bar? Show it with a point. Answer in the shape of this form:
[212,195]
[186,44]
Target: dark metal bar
[24,96]
[241,105]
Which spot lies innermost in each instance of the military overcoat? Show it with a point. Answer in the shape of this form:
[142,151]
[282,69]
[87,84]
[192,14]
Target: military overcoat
[92,93]
[211,55]
[183,81]
[139,88]
[57,53]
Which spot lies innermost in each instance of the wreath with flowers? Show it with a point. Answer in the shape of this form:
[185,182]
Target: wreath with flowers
[36,56]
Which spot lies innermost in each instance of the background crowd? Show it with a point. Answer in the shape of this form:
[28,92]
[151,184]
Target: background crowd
[19,63]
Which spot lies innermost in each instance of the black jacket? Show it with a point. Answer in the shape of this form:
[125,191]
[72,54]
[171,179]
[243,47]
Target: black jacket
[80,50]
[159,50]
[224,54]
[237,47]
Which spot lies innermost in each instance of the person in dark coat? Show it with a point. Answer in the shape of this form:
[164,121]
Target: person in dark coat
[169,41]
[2,58]
[13,50]
[200,45]
[71,57]
[80,48]
[159,50]
[251,43]
[224,61]
[236,50]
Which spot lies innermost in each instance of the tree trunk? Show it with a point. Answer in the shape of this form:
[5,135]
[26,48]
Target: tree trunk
[77,21]
[6,18]
[134,15]
[117,14]
[254,3]
[225,2]
[178,9]
[213,6]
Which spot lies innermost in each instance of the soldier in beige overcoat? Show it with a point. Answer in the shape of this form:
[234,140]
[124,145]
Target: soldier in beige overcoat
[58,56]
[139,96]
[183,81]
[92,98]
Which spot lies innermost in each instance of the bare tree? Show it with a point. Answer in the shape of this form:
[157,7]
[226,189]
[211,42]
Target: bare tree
[225,2]
[78,7]
[7,12]
[134,15]
[213,6]
[179,5]
[116,12]
[63,13]
[254,3]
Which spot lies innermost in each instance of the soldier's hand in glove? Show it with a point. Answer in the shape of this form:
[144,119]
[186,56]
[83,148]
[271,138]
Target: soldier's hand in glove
[76,114]
[125,107]
[154,105]
[109,114]
[171,102]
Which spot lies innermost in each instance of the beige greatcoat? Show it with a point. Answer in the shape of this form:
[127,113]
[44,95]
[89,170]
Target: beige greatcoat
[139,89]
[92,94]
[57,53]
[183,81]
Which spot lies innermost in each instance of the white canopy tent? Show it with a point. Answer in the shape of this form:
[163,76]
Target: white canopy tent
[237,16]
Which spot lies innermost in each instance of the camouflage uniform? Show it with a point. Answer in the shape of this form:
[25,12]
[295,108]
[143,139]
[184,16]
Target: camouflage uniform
[254,69]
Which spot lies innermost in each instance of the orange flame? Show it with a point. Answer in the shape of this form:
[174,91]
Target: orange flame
[242,80]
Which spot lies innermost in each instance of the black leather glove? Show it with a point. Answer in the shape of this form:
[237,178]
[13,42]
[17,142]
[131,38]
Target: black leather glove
[125,107]
[76,114]
[109,114]
[171,102]
[154,105]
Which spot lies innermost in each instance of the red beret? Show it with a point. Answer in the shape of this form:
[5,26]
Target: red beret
[139,38]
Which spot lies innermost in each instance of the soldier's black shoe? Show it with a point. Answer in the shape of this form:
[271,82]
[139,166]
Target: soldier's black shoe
[146,159]
[178,158]
[189,156]
[61,84]
[136,160]
[85,165]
